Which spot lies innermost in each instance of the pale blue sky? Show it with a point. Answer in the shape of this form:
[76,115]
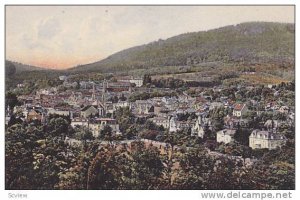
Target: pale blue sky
[65,36]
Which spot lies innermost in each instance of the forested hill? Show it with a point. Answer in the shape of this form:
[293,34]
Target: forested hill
[256,42]
[15,67]
[17,72]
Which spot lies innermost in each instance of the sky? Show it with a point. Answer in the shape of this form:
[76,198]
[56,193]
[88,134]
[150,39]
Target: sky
[61,37]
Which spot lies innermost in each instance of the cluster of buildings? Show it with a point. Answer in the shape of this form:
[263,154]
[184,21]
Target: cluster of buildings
[91,105]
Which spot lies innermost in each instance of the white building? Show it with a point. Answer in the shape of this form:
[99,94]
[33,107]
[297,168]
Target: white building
[121,104]
[284,109]
[137,81]
[225,136]
[59,112]
[161,121]
[173,125]
[98,124]
[143,106]
[79,122]
[198,127]
[63,78]
[198,130]
[265,140]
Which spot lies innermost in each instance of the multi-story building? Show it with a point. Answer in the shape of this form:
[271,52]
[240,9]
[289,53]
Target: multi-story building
[161,121]
[225,136]
[98,124]
[239,110]
[265,140]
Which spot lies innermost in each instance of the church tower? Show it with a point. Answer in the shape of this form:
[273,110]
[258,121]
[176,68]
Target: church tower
[94,93]
[104,88]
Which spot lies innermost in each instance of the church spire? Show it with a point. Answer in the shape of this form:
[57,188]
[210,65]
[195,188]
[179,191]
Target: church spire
[104,85]
[94,93]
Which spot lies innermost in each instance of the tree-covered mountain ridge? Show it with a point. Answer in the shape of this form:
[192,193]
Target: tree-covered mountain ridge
[251,42]
[18,67]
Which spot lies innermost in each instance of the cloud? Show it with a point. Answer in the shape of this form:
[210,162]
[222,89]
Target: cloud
[48,28]
[30,43]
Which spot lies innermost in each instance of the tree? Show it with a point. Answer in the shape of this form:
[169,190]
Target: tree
[196,168]
[59,127]
[13,120]
[83,133]
[147,79]
[131,132]
[18,158]
[146,168]
[10,68]
[11,100]
[242,135]
[106,134]
[287,131]
[104,171]
[217,115]
[125,118]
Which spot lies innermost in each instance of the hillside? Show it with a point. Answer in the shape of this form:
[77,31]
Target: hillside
[17,73]
[252,42]
[21,67]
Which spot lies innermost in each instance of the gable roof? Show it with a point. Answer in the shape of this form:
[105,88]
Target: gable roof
[267,135]
[230,132]
[87,107]
[239,106]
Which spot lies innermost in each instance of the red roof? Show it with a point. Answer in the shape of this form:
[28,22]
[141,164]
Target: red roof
[239,106]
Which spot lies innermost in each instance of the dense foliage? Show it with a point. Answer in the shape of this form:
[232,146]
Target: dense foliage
[37,157]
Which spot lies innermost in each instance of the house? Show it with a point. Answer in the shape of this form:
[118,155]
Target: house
[88,111]
[143,107]
[79,122]
[136,80]
[225,136]
[20,85]
[199,127]
[265,140]
[63,78]
[235,123]
[214,105]
[160,109]
[101,107]
[96,125]
[56,111]
[198,130]
[161,121]
[118,86]
[185,124]
[173,125]
[121,104]
[7,119]
[284,109]
[272,124]
[239,110]
[109,108]
[34,114]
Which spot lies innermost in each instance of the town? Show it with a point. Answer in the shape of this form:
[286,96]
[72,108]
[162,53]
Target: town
[215,116]
[211,113]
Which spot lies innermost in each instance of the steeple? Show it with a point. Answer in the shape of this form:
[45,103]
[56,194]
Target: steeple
[94,93]
[104,85]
